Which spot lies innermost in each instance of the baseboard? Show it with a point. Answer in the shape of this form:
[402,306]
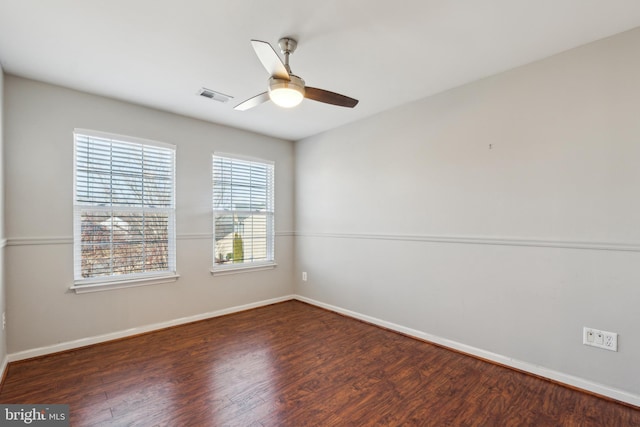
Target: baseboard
[70,345]
[3,370]
[569,380]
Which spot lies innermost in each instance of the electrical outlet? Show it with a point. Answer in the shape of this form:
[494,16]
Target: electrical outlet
[600,339]
[590,336]
[304,276]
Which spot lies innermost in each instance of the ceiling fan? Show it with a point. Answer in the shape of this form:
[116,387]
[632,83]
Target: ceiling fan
[285,88]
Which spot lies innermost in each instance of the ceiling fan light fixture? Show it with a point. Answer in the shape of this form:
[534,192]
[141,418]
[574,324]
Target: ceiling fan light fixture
[286,93]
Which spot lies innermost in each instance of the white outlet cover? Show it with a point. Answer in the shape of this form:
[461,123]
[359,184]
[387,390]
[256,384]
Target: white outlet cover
[608,340]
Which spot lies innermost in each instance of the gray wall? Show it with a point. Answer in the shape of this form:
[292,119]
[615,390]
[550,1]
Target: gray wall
[502,215]
[3,292]
[39,185]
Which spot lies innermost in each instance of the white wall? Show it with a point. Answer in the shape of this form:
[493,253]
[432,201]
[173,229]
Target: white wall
[502,215]
[39,182]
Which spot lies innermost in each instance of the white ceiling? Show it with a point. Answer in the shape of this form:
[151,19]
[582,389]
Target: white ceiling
[159,53]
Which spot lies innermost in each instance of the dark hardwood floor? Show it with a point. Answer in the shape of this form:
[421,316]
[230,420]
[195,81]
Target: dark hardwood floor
[291,364]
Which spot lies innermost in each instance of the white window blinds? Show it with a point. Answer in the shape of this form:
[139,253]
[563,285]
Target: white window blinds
[124,207]
[243,211]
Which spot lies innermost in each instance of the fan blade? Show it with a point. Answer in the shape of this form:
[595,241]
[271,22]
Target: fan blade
[328,97]
[270,59]
[252,102]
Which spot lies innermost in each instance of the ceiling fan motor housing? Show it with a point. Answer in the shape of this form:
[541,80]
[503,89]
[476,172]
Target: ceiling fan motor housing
[286,93]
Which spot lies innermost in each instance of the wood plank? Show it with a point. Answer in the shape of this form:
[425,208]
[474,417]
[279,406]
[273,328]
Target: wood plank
[294,364]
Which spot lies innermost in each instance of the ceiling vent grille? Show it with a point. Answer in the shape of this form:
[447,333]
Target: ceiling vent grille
[212,94]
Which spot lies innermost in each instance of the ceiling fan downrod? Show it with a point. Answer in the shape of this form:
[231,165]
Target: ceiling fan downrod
[287,47]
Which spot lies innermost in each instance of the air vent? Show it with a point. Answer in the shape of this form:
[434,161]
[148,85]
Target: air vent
[212,94]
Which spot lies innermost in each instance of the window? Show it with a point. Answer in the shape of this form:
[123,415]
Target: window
[243,212]
[124,209]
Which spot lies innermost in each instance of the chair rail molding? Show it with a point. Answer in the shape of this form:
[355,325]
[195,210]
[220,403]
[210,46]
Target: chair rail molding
[68,240]
[482,240]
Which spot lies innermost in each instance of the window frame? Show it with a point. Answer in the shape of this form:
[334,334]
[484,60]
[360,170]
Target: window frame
[117,281]
[270,262]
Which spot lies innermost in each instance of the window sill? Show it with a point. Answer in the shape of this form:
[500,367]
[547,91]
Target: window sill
[236,269]
[82,287]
